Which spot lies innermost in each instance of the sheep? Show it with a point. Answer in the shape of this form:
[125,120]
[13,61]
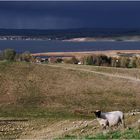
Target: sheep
[103,122]
[113,118]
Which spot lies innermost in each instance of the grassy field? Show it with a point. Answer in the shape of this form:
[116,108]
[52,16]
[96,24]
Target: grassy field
[129,72]
[45,94]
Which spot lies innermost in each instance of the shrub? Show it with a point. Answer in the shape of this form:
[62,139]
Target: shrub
[59,60]
[72,60]
[9,54]
[132,63]
[124,62]
[98,60]
[103,60]
[1,55]
[137,62]
[27,57]
[89,60]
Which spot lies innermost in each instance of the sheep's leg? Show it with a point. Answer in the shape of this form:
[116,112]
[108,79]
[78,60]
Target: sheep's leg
[110,128]
[117,125]
[123,123]
[103,127]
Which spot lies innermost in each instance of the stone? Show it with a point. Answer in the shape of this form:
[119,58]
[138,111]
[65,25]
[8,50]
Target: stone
[82,130]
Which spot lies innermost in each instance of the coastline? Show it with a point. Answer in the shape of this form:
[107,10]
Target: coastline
[111,39]
[79,54]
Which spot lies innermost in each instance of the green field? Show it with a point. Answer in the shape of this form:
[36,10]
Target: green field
[47,94]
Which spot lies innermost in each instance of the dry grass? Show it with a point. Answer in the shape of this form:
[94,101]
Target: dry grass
[130,72]
[46,95]
[57,89]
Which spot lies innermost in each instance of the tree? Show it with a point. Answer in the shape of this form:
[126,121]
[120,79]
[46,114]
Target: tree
[9,54]
[114,62]
[124,62]
[72,60]
[89,60]
[26,56]
[1,55]
[17,57]
[103,60]
[132,63]
[83,60]
[137,62]
[59,60]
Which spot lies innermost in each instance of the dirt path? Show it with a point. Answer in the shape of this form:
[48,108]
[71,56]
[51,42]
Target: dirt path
[100,73]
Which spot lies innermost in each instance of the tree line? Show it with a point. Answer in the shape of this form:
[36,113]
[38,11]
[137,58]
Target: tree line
[12,55]
[103,60]
[96,60]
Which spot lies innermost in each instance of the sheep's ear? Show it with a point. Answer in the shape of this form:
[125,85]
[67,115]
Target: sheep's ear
[98,110]
[92,112]
[97,113]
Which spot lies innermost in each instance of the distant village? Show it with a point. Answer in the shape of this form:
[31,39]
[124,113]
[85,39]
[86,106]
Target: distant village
[123,60]
[24,38]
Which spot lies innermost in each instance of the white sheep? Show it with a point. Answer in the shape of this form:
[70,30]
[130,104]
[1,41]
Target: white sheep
[113,118]
[103,122]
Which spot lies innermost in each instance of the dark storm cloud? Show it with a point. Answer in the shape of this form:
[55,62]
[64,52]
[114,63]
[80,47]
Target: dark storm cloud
[46,15]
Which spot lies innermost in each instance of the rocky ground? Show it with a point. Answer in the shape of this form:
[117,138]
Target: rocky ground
[44,129]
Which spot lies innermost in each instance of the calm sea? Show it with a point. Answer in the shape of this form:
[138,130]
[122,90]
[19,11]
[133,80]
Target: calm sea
[35,46]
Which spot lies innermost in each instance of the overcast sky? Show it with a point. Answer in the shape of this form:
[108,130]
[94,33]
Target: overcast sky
[72,14]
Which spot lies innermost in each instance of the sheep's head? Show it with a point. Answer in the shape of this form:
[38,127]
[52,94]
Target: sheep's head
[97,113]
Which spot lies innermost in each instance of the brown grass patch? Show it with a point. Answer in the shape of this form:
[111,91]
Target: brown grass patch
[65,90]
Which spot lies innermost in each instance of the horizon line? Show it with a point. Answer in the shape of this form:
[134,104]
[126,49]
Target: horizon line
[70,28]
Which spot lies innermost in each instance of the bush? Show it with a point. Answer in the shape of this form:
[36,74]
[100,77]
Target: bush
[137,61]
[72,60]
[98,60]
[59,60]
[115,62]
[27,57]
[9,54]
[1,55]
[103,60]
[132,63]
[89,60]
[124,62]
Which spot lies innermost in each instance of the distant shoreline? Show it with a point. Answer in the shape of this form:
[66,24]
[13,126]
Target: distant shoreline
[76,39]
[112,39]
[79,54]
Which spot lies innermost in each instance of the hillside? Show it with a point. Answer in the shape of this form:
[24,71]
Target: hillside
[55,95]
